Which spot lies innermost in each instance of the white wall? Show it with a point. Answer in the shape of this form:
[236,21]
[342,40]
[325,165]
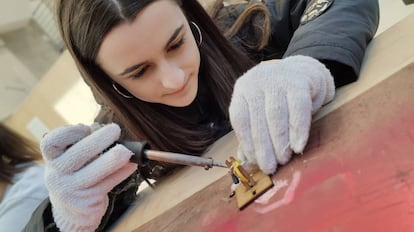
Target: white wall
[391,12]
[16,82]
[14,14]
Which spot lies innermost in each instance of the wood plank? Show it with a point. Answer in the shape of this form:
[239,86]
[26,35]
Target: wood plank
[353,167]
[355,175]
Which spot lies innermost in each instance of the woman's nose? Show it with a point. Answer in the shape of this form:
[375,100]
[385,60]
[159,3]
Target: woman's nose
[171,76]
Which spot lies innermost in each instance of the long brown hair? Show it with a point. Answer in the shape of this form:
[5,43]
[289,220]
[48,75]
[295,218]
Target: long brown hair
[14,149]
[83,25]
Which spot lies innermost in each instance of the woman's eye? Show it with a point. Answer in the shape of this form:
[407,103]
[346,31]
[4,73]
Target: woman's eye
[140,72]
[177,45]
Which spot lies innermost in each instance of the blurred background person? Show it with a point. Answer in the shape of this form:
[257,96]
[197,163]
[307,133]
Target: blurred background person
[22,187]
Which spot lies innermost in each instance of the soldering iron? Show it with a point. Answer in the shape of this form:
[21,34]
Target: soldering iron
[143,153]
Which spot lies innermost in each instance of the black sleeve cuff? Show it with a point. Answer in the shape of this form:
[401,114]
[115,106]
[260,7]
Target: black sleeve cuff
[342,74]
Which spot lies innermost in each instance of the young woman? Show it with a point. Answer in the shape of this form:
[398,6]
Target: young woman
[163,71]
[21,180]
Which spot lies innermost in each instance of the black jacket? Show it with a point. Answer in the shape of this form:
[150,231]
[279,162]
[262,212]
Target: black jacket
[336,32]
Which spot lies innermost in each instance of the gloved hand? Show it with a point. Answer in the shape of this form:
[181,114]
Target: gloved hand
[272,106]
[79,173]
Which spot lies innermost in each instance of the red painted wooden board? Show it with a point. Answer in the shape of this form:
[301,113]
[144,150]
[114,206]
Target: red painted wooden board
[357,174]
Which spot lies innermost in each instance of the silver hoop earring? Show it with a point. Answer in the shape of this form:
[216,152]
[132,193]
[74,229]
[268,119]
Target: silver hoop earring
[199,33]
[119,92]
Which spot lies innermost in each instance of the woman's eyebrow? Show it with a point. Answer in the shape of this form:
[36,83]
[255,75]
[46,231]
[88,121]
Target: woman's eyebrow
[130,69]
[170,40]
[174,35]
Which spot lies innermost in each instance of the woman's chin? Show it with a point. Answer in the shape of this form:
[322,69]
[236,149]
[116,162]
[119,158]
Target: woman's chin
[183,102]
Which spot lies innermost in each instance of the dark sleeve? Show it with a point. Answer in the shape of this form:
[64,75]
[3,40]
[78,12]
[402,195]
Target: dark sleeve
[42,219]
[338,37]
[120,199]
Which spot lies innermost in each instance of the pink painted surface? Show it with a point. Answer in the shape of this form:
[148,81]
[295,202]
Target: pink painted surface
[356,175]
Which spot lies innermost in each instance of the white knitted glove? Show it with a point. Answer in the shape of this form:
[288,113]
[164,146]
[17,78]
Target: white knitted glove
[79,173]
[272,106]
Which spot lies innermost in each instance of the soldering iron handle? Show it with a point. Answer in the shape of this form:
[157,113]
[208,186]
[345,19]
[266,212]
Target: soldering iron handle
[138,148]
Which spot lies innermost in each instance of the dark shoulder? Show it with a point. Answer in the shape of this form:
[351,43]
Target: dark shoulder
[226,15]
[263,29]
[245,25]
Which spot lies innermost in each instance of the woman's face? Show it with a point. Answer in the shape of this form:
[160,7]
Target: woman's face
[155,57]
